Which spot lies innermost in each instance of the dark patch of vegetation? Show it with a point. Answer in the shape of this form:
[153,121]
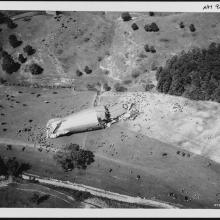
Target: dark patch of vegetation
[151,27]
[8,63]
[29,50]
[192,28]
[79,73]
[35,69]
[119,88]
[14,42]
[21,58]
[11,24]
[4,19]
[87,70]
[106,87]
[135,74]
[151,13]
[9,147]
[148,87]
[73,156]
[126,16]
[182,25]
[134,26]
[11,167]
[147,48]
[152,49]
[37,198]
[194,74]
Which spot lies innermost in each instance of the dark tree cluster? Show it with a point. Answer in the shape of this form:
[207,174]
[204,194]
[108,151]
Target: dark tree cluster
[21,58]
[151,27]
[151,13]
[73,156]
[148,48]
[126,16]
[192,28]
[181,25]
[11,167]
[4,19]
[120,88]
[29,50]
[194,74]
[134,26]
[35,69]
[8,63]
[14,42]
[38,199]
[87,70]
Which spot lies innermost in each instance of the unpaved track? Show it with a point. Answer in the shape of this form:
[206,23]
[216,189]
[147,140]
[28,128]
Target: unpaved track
[102,193]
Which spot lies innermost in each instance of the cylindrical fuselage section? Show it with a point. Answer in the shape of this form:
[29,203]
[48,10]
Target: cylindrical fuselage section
[80,121]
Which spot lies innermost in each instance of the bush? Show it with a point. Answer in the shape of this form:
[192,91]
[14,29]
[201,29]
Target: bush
[29,50]
[194,74]
[79,73]
[151,27]
[146,48]
[192,28]
[151,13]
[106,87]
[182,25]
[35,69]
[126,16]
[11,24]
[134,26]
[12,167]
[8,64]
[14,42]
[120,88]
[152,49]
[87,70]
[72,156]
[21,58]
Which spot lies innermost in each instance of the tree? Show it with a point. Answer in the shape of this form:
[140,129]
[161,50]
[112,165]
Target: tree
[194,74]
[126,16]
[73,156]
[192,28]
[14,42]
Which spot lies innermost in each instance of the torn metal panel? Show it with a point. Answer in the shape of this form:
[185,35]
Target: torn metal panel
[88,119]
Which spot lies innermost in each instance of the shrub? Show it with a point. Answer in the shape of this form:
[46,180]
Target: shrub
[29,50]
[182,25]
[151,13]
[194,74]
[126,16]
[11,24]
[35,69]
[192,28]
[72,156]
[151,27]
[14,42]
[79,73]
[87,70]
[106,87]
[12,167]
[152,49]
[134,26]
[119,88]
[21,58]
[8,64]
[146,48]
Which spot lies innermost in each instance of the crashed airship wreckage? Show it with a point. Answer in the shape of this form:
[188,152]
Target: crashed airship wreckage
[99,117]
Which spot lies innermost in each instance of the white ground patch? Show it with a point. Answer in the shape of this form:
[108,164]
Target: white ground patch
[191,125]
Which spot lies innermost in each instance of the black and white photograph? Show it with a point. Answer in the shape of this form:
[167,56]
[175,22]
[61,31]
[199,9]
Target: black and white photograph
[110,109]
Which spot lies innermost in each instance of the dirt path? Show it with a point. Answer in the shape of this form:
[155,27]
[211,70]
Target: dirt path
[102,193]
